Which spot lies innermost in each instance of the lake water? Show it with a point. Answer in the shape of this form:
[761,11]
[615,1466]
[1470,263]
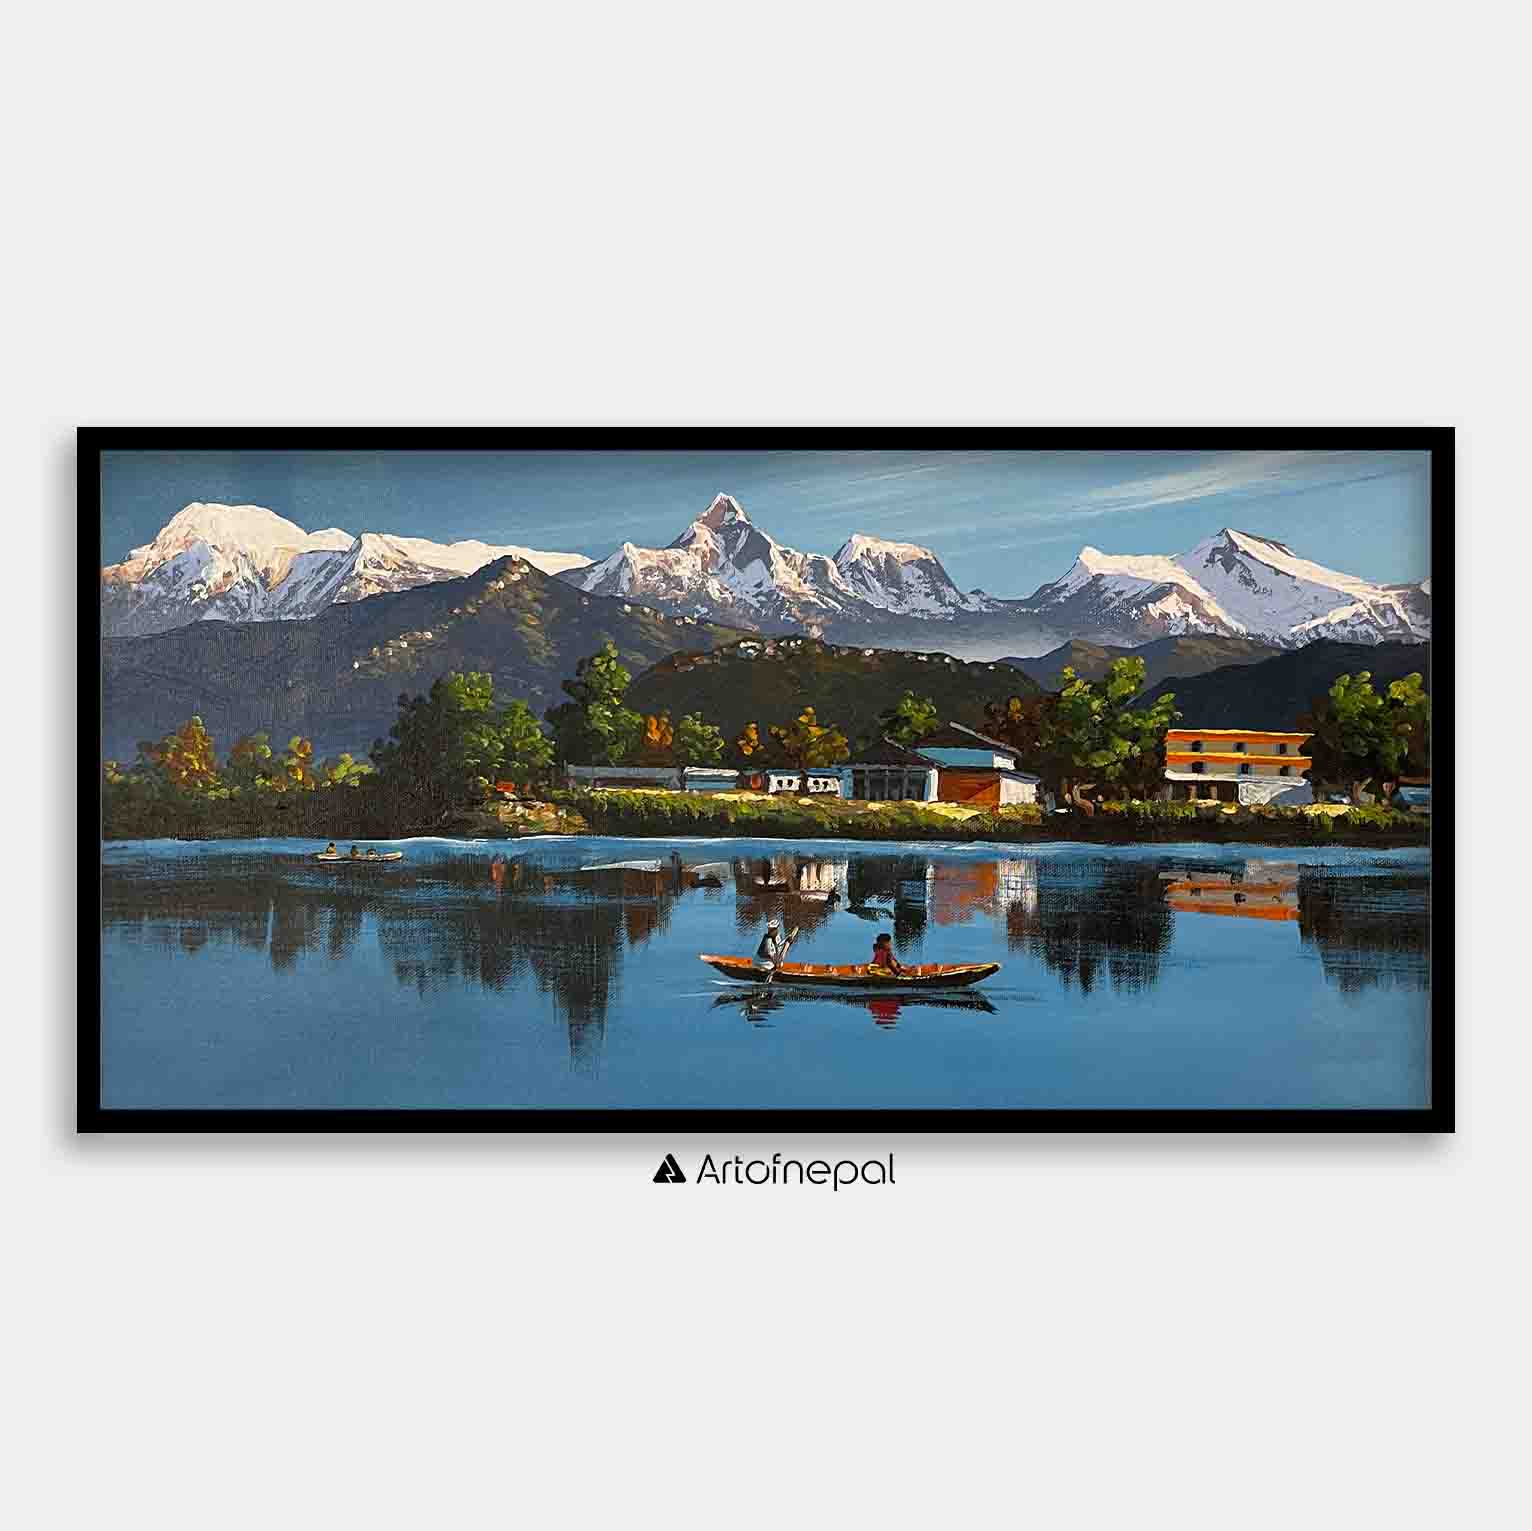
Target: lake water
[471,974]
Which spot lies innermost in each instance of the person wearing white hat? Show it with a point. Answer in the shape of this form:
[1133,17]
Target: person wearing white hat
[769,952]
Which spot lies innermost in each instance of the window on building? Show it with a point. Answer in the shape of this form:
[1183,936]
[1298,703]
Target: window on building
[1244,770]
[1281,749]
[859,784]
[1284,770]
[1196,746]
[1239,748]
[1200,767]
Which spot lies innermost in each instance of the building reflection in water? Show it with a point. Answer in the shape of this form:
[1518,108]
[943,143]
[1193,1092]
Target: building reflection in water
[497,922]
[1368,931]
[1256,890]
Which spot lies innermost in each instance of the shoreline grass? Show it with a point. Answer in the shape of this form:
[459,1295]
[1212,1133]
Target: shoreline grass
[639,814]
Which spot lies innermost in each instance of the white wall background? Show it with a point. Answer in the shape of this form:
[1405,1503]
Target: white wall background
[683,213]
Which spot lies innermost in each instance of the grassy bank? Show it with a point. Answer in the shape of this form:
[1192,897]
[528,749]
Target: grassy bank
[663,815]
[363,815]
[360,813]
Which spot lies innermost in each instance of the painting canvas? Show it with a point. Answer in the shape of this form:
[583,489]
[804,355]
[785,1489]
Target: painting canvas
[926,779]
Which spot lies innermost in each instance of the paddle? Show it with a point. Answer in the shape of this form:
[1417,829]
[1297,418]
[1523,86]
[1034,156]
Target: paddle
[782,955]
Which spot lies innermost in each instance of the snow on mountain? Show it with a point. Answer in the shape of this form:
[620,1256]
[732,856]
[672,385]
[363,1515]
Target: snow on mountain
[244,563]
[725,567]
[1273,593]
[1232,584]
[1107,597]
[722,566]
[905,578]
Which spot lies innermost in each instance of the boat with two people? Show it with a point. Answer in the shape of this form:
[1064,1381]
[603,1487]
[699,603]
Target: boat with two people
[856,975]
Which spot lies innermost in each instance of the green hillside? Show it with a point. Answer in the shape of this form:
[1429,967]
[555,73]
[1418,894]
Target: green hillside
[769,681]
[1163,659]
[337,678]
[1277,692]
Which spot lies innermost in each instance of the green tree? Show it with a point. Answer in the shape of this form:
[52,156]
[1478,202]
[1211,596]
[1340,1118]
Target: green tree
[1030,725]
[250,763]
[697,743]
[594,727]
[910,718]
[1109,740]
[806,742]
[1358,738]
[343,771]
[528,750]
[1088,734]
[1410,706]
[447,749]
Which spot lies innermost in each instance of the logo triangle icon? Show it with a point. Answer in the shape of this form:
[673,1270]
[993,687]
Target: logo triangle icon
[669,1172]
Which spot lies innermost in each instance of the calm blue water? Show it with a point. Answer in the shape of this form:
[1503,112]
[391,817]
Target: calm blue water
[239,973]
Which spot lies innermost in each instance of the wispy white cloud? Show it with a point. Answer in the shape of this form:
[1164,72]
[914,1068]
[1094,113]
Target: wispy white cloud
[1240,476]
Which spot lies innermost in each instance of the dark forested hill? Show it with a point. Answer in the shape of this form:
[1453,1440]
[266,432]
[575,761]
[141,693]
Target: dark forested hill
[1277,692]
[337,678]
[1164,657]
[769,681]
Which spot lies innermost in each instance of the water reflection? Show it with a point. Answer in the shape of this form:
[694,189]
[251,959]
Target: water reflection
[1369,932]
[564,923]
[1257,890]
[758,1004]
[1090,918]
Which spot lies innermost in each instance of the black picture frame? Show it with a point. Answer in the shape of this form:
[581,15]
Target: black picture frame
[1439,441]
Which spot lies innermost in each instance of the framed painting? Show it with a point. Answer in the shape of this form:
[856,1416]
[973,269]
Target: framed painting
[846,779]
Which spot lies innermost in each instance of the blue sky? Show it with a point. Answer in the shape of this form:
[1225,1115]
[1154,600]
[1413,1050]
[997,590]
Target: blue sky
[1006,521]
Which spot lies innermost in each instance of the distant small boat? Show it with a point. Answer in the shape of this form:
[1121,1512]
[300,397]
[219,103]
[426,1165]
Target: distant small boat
[771,882]
[857,975]
[624,866]
[360,860]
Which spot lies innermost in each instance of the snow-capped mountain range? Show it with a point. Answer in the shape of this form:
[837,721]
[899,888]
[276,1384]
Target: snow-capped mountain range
[1232,585]
[243,563]
[725,568]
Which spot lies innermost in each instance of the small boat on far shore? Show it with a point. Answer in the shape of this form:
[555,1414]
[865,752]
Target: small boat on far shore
[857,975]
[368,860]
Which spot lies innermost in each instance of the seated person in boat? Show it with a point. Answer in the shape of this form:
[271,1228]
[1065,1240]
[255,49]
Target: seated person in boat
[372,853]
[329,850]
[356,855]
[883,955]
[769,953]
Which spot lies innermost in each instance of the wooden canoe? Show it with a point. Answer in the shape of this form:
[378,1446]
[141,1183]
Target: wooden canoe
[360,860]
[858,975]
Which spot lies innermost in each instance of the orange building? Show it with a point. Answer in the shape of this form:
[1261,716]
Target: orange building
[1237,765]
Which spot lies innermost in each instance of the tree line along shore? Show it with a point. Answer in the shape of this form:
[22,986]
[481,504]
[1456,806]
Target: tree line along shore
[462,761]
